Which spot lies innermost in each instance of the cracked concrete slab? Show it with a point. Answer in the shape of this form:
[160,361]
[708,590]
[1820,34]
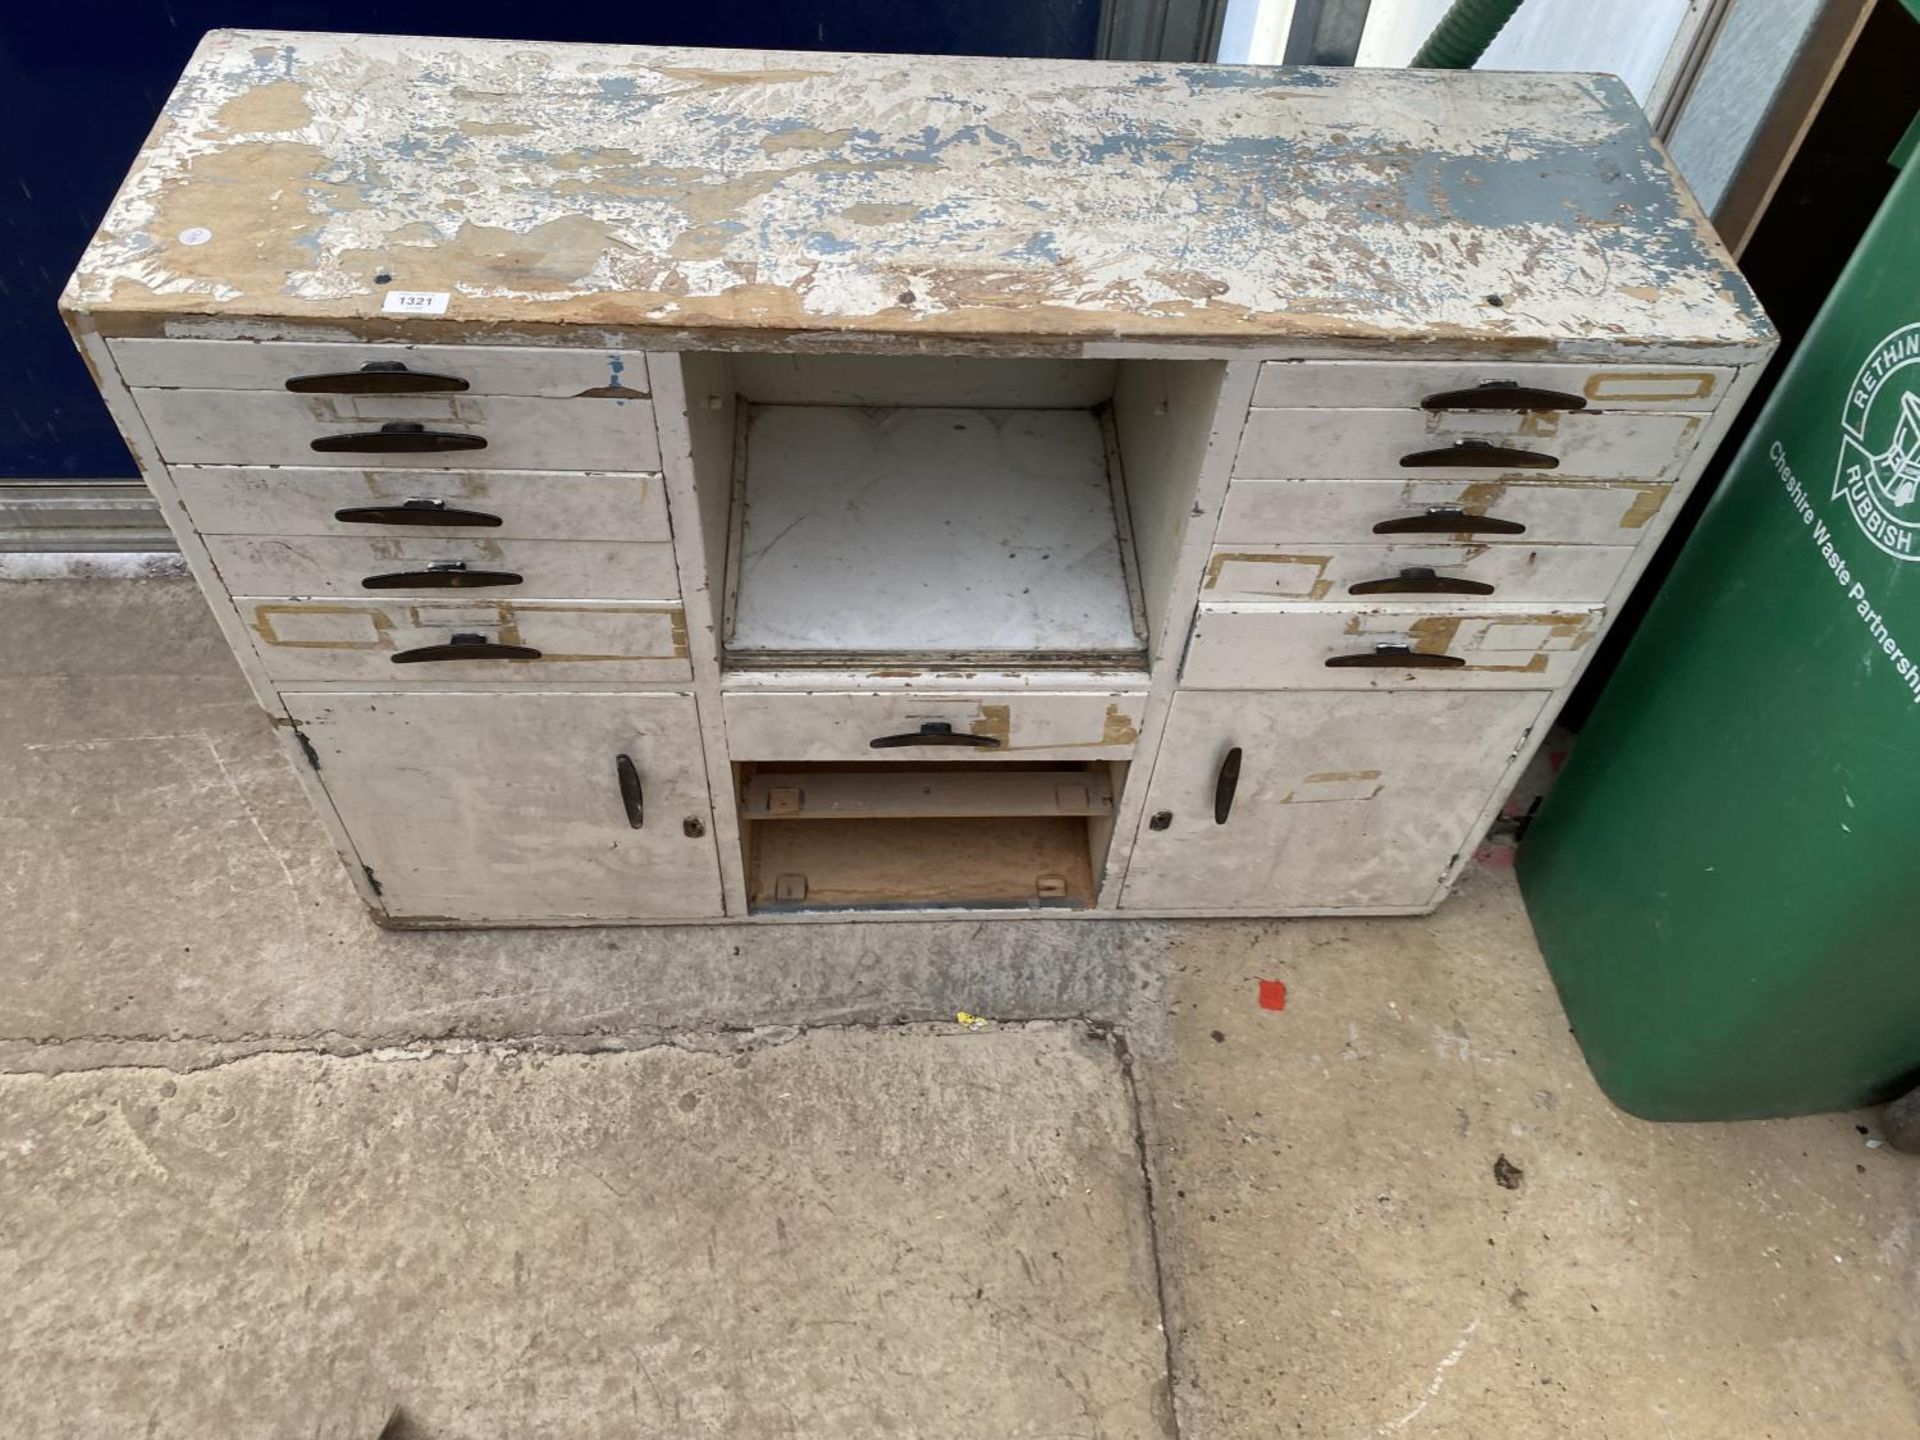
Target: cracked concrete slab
[1350,1258]
[851,1234]
[170,896]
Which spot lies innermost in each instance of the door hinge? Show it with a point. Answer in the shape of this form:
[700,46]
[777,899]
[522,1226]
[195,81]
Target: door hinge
[1525,735]
[373,881]
[306,748]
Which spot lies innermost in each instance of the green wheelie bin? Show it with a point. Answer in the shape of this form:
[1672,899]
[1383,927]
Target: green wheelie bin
[1725,881]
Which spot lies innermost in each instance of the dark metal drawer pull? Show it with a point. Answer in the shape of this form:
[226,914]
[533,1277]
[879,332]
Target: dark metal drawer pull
[400,437]
[935,732]
[1419,580]
[417,512]
[466,647]
[1394,657]
[442,575]
[1503,395]
[376,377]
[1479,455]
[1224,784]
[631,796]
[1449,521]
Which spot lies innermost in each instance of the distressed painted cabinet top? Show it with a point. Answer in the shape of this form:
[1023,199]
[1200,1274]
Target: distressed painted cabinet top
[732,196]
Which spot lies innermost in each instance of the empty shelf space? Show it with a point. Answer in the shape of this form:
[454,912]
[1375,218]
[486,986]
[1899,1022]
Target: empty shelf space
[827,795]
[1003,862]
[921,532]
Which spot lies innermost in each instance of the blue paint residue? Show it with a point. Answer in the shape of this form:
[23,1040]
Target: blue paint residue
[1255,77]
[821,243]
[1041,245]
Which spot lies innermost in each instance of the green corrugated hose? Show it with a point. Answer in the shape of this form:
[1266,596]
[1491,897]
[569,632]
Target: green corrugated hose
[1463,34]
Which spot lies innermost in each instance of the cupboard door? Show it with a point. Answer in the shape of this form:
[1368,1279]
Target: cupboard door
[504,807]
[1341,801]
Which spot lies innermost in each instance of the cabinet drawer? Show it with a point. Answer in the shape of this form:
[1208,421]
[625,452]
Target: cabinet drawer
[1093,725]
[1578,512]
[489,432]
[373,640]
[1403,444]
[445,369]
[1417,574]
[1265,647]
[1339,384]
[1341,801]
[471,504]
[397,566]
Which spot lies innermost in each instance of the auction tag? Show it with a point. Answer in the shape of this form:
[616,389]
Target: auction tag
[415,302]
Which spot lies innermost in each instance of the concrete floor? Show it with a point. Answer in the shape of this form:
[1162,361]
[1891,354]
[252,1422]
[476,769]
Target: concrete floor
[265,1169]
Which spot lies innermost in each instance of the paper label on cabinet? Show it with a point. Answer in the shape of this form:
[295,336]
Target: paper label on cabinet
[415,302]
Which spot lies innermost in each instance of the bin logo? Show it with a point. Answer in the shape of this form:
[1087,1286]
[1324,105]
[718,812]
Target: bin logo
[1879,469]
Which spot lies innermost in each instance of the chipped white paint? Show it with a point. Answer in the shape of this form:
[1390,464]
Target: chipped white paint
[529,505]
[1378,444]
[842,726]
[1351,800]
[1181,259]
[1288,647]
[729,190]
[500,806]
[515,432]
[429,567]
[1319,512]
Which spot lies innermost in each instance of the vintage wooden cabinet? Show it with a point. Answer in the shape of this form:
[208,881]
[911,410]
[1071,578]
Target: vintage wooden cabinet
[662,484]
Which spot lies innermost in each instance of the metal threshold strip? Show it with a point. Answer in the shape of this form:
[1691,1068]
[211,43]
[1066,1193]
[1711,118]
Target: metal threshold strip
[98,515]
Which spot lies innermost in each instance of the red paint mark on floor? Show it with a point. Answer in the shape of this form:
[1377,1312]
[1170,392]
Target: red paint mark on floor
[1273,995]
[1496,857]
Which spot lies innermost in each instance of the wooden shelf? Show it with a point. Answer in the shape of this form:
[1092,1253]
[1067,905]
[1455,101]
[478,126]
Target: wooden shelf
[824,795]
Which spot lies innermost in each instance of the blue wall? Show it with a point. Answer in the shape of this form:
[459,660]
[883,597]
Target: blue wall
[83,93]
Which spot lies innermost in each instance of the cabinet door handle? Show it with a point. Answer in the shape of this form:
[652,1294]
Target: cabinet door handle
[376,377]
[399,437]
[1449,521]
[447,575]
[1419,580]
[1394,657]
[935,732]
[1479,455]
[1503,395]
[1224,784]
[631,795]
[465,647]
[417,512]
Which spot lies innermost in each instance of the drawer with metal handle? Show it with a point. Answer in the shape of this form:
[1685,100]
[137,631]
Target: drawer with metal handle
[1403,444]
[1413,572]
[910,726]
[1483,512]
[428,565]
[1488,385]
[467,504]
[466,640]
[488,432]
[1365,647]
[348,368]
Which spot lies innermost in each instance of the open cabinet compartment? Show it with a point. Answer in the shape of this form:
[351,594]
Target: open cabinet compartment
[1005,513]
[937,836]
